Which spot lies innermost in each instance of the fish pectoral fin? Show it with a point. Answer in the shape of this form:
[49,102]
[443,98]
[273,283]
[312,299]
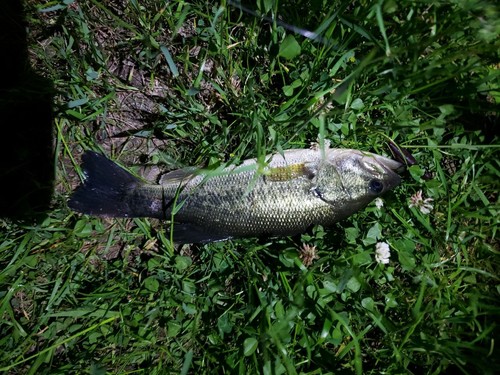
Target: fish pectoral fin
[191,233]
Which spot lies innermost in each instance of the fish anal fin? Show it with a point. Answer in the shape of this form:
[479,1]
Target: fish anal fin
[191,233]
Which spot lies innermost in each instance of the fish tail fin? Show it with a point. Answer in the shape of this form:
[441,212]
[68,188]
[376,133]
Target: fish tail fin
[110,191]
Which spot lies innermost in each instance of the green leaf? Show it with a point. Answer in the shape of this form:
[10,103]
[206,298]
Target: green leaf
[189,308]
[353,284]
[288,90]
[173,329]
[337,335]
[357,104]
[97,369]
[404,245]
[82,228]
[268,4]
[224,325]
[351,235]
[188,359]
[77,102]
[368,303]
[390,301]
[416,172]
[182,262]
[327,325]
[407,260]
[447,109]
[289,48]
[362,258]
[373,235]
[170,61]
[249,346]
[91,74]
[52,8]
[152,284]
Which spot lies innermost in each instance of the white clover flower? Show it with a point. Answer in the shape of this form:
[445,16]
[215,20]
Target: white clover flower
[308,254]
[382,252]
[424,205]
[379,203]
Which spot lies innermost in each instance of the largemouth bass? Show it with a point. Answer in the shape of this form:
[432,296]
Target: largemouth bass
[290,193]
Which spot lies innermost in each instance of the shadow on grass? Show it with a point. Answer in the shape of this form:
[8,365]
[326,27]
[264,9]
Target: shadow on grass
[26,152]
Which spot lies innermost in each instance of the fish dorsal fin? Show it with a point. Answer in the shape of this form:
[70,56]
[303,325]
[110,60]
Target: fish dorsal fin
[179,175]
[290,172]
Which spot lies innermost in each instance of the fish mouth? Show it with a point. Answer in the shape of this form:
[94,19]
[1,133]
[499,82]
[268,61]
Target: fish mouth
[392,168]
[390,164]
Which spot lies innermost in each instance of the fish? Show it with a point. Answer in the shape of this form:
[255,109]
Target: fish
[287,194]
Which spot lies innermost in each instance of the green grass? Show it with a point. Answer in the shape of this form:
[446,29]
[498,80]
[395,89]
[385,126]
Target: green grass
[158,85]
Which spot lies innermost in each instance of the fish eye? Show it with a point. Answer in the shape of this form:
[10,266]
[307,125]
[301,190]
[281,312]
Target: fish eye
[376,186]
